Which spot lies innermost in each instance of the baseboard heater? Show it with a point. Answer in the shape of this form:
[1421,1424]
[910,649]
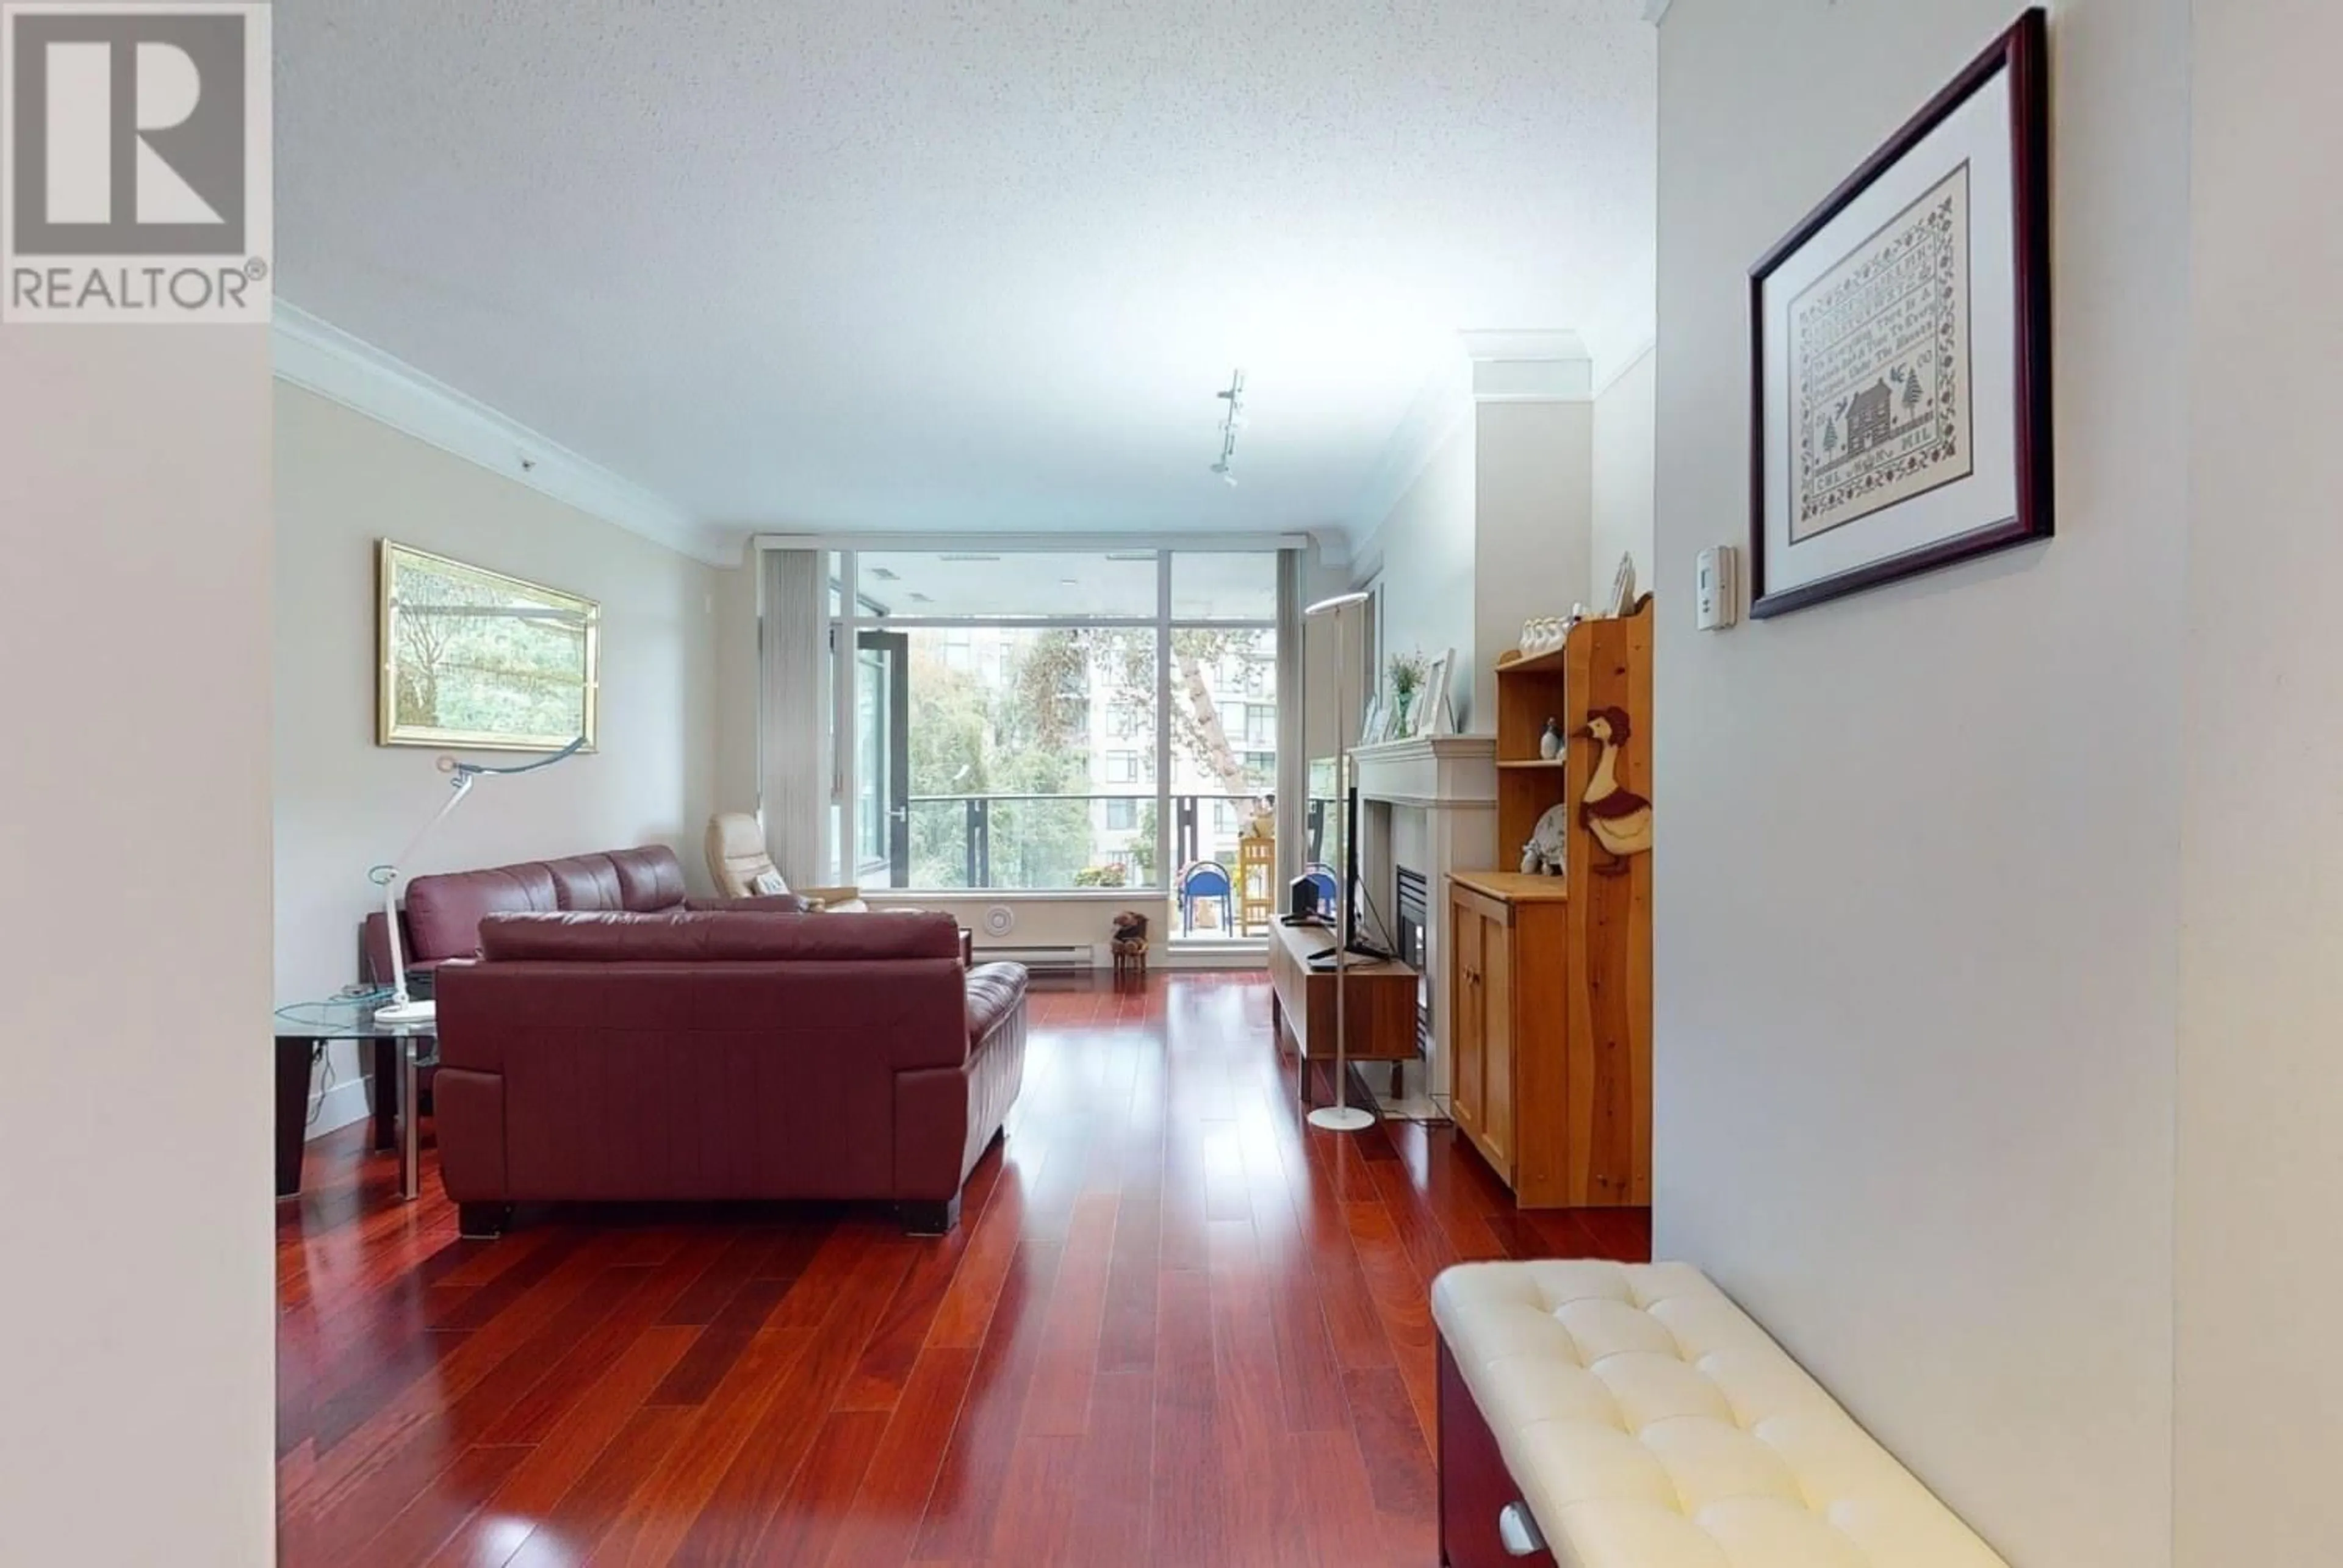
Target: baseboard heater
[1043,961]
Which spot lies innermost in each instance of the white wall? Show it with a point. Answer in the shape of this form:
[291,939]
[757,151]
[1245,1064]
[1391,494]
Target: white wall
[1424,551]
[137,1360]
[345,481]
[2260,1399]
[1915,919]
[1534,483]
[1042,920]
[1494,530]
[1624,475]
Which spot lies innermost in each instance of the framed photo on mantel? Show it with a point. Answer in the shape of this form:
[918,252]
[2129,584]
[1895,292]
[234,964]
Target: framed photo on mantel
[1900,349]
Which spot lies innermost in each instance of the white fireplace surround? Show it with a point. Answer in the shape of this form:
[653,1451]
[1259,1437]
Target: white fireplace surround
[1429,804]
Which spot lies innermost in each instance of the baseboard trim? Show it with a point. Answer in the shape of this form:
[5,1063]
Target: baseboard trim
[340,1106]
[1182,957]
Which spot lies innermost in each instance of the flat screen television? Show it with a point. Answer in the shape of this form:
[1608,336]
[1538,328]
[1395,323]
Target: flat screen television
[1332,843]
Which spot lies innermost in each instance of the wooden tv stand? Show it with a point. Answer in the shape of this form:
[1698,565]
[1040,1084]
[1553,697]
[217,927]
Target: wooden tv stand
[1380,1005]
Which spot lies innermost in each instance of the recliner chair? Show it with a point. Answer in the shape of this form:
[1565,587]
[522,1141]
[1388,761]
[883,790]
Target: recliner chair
[737,861]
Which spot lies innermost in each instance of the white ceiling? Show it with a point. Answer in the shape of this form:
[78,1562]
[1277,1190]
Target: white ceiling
[961,264]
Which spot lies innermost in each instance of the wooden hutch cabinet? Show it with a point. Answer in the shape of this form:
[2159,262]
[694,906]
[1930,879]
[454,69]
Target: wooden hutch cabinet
[1550,978]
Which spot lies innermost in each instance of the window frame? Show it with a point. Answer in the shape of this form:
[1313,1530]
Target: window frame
[1156,765]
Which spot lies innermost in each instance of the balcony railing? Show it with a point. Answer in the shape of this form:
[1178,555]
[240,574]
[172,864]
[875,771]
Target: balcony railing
[1050,843]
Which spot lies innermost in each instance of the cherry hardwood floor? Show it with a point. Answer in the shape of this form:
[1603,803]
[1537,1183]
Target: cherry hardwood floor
[1176,1326]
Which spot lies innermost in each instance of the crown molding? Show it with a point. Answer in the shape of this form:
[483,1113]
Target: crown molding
[1530,343]
[320,358]
[1618,373]
[1656,11]
[1529,366]
[1488,365]
[1333,547]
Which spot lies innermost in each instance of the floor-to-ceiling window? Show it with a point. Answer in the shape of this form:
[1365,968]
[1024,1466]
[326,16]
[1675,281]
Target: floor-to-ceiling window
[1222,676]
[1045,721]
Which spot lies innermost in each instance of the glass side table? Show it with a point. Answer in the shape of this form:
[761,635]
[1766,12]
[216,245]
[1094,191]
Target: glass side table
[397,1053]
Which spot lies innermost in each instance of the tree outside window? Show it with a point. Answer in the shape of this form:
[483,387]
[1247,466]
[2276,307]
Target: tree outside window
[1033,748]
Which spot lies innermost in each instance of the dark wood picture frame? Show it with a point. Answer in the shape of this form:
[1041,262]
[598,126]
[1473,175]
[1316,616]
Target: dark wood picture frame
[2024,52]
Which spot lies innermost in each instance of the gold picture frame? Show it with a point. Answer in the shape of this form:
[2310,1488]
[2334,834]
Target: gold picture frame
[472,658]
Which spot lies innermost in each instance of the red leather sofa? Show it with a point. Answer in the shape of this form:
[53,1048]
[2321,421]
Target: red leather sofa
[443,914]
[711,1056]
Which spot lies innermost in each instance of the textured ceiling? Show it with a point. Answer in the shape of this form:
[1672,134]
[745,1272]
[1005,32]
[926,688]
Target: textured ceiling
[965,264]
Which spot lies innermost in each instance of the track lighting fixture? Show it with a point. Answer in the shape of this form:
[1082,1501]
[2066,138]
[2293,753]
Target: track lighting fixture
[1230,423]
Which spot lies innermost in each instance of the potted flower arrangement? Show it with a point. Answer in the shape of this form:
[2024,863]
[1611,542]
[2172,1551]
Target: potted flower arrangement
[1407,672]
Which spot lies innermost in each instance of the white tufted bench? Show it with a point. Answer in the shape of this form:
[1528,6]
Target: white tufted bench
[1647,1422]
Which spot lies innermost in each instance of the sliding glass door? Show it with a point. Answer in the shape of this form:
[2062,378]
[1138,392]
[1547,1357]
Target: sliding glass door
[1053,720]
[882,772]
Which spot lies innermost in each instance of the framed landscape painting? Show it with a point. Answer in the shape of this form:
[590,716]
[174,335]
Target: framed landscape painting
[473,659]
[1901,349]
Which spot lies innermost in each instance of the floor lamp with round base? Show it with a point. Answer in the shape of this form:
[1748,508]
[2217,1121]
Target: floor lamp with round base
[1341,1115]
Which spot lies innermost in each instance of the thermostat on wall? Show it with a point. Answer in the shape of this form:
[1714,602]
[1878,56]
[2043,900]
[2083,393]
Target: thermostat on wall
[999,920]
[1716,589]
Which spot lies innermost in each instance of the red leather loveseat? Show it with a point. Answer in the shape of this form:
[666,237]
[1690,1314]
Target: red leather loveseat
[708,1056]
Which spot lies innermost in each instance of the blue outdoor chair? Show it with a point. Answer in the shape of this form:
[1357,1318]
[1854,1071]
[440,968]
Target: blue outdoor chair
[1329,892]
[1205,880]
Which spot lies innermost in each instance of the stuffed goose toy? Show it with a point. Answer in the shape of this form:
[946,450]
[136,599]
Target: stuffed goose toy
[1620,819]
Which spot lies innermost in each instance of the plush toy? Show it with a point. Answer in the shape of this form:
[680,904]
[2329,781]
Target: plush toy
[1129,945]
[1548,850]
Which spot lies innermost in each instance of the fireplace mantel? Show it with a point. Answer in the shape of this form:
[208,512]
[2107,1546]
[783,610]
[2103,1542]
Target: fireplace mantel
[1429,804]
[1431,772]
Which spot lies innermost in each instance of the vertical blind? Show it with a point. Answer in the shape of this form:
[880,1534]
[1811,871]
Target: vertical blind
[793,618]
